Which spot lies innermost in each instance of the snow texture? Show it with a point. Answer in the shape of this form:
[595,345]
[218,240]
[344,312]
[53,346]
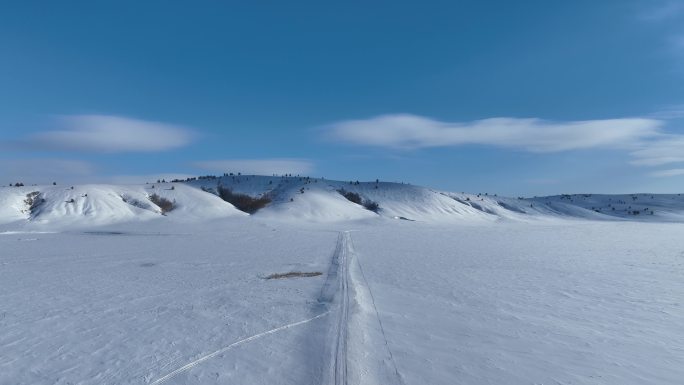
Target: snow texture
[98,286]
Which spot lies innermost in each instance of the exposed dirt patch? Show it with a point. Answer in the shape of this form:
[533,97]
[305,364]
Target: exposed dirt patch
[148,264]
[294,274]
[104,233]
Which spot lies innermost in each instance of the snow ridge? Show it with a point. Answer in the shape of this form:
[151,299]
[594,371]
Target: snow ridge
[313,200]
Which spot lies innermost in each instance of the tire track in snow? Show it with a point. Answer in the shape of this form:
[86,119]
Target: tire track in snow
[340,355]
[400,379]
[335,291]
[336,273]
[337,285]
[198,361]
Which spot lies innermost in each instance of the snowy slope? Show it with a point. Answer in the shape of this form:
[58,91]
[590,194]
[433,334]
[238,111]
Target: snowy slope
[316,206]
[651,207]
[397,200]
[106,204]
[12,204]
[416,203]
[525,209]
[318,200]
[471,289]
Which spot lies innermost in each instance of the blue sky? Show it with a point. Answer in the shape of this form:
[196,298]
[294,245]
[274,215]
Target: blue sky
[518,98]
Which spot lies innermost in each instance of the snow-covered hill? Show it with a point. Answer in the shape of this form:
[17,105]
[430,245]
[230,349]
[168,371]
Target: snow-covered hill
[313,200]
[178,286]
[659,207]
[107,204]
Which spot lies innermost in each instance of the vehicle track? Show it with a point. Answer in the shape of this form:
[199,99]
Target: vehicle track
[340,354]
[399,378]
[334,290]
[198,361]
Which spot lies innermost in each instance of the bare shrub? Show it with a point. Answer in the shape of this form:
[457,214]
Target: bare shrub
[164,204]
[356,198]
[243,202]
[209,190]
[351,196]
[371,205]
[33,201]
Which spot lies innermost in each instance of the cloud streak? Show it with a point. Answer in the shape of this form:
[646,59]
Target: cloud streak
[257,166]
[665,150]
[110,134]
[406,131]
[668,173]
[44,170]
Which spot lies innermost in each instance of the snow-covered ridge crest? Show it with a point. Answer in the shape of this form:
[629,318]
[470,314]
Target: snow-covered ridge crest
[311,199]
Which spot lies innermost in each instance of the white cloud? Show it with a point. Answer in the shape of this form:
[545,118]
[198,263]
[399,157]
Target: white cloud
[668,173]
[103,133]
[407,131]
[667,149]
[257,166]
[44,171]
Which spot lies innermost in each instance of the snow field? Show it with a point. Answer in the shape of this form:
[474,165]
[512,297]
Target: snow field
[130,308]
[468,289]
[577,303]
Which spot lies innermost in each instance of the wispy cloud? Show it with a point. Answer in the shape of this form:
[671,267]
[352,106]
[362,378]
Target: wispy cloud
[666,17]
[666,149]
[671,112]
[111,134]
[257,166]
[406,131]
[668,173]
[65,171]
[44,171]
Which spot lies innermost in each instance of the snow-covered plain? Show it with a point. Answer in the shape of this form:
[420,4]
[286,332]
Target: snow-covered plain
[436,288]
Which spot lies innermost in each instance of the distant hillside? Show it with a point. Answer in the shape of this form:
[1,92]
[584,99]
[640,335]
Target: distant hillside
[310,199]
